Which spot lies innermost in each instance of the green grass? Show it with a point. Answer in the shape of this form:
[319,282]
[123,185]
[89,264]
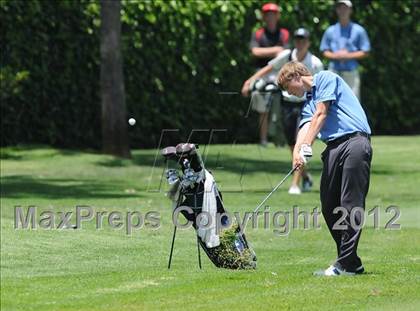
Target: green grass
[89,269]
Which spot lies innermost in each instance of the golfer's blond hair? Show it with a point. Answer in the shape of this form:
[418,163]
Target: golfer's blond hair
[291,70]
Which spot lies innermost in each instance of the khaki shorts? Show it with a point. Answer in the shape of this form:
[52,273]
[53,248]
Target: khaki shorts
[352,78]
[259,102]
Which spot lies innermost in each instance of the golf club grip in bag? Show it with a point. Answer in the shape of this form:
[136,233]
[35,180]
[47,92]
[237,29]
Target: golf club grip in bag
[233,252]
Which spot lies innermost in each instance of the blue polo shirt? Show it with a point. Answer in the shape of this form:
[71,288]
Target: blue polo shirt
[353,38]
[345,114]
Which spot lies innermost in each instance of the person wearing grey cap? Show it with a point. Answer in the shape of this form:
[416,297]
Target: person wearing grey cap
[291,105]
[344,44]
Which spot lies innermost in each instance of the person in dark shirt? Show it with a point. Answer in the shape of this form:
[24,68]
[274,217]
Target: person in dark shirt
[266,43]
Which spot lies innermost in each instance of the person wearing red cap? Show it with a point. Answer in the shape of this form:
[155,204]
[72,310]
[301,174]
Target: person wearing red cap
[266,43]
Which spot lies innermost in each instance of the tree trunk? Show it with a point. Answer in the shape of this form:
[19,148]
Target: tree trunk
[114,121]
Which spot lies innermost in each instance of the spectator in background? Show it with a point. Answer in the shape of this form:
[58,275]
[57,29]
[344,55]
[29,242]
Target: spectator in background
[291,106]
[344,44]
[266,43]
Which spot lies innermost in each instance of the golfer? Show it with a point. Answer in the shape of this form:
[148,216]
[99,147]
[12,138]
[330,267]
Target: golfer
[333,113]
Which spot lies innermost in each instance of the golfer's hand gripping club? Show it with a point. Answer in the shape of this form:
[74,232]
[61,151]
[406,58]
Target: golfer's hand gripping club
[305,153]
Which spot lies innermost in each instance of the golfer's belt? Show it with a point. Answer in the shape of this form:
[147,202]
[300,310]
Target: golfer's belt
[344,138]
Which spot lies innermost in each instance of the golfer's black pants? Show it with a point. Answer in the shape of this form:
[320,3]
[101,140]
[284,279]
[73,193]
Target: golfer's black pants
[345,183]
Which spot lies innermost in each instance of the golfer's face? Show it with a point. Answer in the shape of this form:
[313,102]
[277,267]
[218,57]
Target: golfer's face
[295,87]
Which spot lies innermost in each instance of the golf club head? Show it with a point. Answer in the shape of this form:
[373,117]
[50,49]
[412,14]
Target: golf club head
[169,153]
[258,85]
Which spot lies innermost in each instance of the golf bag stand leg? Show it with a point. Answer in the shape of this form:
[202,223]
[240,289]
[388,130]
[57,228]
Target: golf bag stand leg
[199,255]
[172,248]
[198,242]
[174,234]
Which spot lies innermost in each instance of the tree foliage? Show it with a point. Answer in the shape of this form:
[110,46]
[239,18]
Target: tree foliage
[181,60]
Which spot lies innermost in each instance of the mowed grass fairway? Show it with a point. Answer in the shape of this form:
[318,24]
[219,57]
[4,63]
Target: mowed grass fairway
[89,269]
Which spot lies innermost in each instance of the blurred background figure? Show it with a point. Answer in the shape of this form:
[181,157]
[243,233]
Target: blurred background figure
[266,43]
[344,44]
[291,106]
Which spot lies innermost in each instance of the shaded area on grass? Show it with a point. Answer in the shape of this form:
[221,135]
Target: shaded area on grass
[228,163]
[21,186]
[32,151]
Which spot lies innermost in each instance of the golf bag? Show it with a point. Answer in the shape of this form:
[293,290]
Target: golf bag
[196,189]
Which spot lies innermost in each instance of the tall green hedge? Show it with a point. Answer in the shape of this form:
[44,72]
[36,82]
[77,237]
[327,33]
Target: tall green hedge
[180,59]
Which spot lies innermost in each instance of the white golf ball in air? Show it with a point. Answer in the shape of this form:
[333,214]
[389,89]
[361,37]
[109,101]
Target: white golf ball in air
[131,121]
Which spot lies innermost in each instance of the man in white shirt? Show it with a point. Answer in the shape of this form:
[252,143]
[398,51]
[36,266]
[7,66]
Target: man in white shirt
[291,105]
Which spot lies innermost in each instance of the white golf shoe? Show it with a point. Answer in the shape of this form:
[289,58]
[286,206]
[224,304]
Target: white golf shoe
[334,271]
[295,190]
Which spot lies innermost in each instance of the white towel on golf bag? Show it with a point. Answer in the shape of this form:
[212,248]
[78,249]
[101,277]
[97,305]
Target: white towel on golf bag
[208,235]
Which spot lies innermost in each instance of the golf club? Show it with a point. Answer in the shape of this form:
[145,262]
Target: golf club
[275,188]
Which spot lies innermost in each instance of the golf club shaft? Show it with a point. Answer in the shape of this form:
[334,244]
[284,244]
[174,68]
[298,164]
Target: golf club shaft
[275,188]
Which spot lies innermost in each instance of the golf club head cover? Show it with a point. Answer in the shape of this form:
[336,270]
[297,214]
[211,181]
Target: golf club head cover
[169,153]
[189,151]
[172,176]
